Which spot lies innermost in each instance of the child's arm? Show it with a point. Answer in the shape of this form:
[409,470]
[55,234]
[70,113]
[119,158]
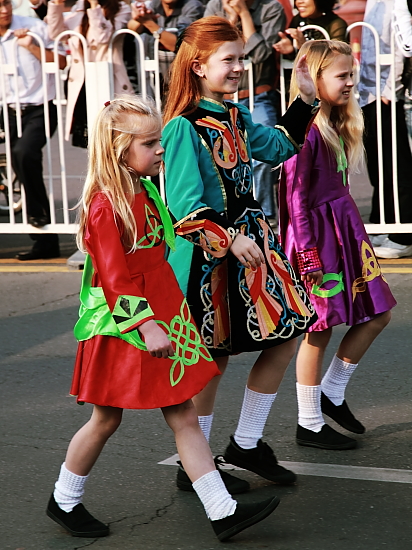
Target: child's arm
[296,176]
[125,299]
[191,201]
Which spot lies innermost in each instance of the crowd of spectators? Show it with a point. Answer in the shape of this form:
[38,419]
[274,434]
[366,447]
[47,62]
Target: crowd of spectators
[269,27]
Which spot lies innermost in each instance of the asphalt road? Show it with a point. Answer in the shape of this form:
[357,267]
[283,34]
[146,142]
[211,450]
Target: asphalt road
[357,500]
[138,496]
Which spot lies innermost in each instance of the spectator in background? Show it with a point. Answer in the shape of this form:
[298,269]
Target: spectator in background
[153,18]
[261,22]
[311,12]
[26,151]
[397,245]
[96,21]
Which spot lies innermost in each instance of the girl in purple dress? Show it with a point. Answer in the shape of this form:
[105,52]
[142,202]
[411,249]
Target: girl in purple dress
[323,235]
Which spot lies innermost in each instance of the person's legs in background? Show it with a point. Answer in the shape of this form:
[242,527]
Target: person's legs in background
[27,161]
[265,177]
[396,245]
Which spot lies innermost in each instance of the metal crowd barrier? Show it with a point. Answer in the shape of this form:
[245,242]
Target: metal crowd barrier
[99,88]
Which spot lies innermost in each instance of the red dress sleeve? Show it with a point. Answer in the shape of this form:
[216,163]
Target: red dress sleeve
[125,299]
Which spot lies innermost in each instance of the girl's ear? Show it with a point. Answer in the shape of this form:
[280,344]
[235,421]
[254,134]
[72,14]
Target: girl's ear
[197,68]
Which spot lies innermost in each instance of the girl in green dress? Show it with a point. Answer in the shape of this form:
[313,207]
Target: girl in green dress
[242,291]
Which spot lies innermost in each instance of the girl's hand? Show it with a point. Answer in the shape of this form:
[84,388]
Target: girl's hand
[314,277]
[156,340]
[247,251]
[305,82]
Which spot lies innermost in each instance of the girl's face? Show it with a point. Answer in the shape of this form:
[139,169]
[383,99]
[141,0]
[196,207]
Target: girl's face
[222,71]
[336,82]
[307,8]
[145,153]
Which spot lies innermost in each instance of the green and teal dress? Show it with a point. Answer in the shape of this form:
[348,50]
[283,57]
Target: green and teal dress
[122,290]
[209,190]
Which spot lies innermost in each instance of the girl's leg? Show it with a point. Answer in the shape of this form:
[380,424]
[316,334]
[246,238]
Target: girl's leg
[308,374]
[312,430]
[228,518]
[83,451]
[246,448]
[351,350]
[65,504]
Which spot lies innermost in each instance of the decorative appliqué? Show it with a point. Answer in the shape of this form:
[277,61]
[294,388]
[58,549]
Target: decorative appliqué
[154,230]
[187,343]
[370,270]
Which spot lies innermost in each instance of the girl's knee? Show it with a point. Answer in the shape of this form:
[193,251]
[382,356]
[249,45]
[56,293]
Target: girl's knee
[181,416]
[382,320]
[107,420]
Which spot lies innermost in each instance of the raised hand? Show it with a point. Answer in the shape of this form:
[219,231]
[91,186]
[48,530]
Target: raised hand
[305,82]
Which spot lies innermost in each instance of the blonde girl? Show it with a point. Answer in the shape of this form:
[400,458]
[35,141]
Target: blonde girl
[324,238]
[138,345]
[243,293]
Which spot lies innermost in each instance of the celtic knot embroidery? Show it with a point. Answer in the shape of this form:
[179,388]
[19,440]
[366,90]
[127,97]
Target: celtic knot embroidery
[154,230]
[187,343]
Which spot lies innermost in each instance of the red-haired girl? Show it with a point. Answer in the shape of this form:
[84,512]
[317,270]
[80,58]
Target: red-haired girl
[243,292]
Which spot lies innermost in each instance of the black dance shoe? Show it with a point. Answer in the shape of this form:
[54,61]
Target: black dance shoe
[327,438]
[341,415]
[38,221]
[38,254]
[260,460]
[78,522]
[245,516]
[233,484]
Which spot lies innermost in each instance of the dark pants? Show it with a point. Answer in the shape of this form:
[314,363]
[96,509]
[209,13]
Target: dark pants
[404,159]
[27,162]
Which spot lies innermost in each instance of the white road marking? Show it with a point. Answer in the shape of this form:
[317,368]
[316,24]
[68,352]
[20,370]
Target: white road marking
[331,470]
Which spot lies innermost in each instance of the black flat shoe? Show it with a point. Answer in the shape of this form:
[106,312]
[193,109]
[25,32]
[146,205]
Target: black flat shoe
[245,516]
[37,255]
[261,460]
[327,438]
[341,415]
[78,522]
[233,484]
[38,221]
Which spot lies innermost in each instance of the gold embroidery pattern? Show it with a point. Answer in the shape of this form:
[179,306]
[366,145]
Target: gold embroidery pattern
[370,270]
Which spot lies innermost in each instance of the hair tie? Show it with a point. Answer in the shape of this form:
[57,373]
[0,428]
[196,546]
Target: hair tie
[180,38]
[107,103]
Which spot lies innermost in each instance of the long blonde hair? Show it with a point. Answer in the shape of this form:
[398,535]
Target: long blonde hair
[113,132]
[348,119]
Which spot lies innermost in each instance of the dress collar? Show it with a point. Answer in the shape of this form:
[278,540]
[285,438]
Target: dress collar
[216,104]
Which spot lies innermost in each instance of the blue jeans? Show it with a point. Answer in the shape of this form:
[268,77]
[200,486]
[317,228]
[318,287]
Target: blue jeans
[265,113]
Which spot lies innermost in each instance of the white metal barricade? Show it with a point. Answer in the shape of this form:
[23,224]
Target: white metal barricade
[99,88]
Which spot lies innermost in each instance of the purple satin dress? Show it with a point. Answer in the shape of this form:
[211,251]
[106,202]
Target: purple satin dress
[321,228]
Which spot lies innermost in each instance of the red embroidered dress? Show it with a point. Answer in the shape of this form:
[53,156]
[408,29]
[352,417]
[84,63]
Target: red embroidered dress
[110,369]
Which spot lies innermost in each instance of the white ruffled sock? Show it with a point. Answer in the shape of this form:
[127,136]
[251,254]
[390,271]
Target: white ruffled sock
[336,379]
[69,489]
[205,423]
[255,411]
[214,496]
[309,411]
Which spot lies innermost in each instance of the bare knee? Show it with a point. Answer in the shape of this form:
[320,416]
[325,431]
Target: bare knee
[318,339]
[182,416]
[106,420]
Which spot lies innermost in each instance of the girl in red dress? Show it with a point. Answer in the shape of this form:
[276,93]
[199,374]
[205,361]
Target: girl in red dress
[138,345]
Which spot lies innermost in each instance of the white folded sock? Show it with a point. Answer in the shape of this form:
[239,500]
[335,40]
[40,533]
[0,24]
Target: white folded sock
[69,489]
[255,411]
[214,496]
[336,379]
[309,411]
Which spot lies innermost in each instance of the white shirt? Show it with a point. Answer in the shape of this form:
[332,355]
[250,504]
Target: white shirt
[30,85]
